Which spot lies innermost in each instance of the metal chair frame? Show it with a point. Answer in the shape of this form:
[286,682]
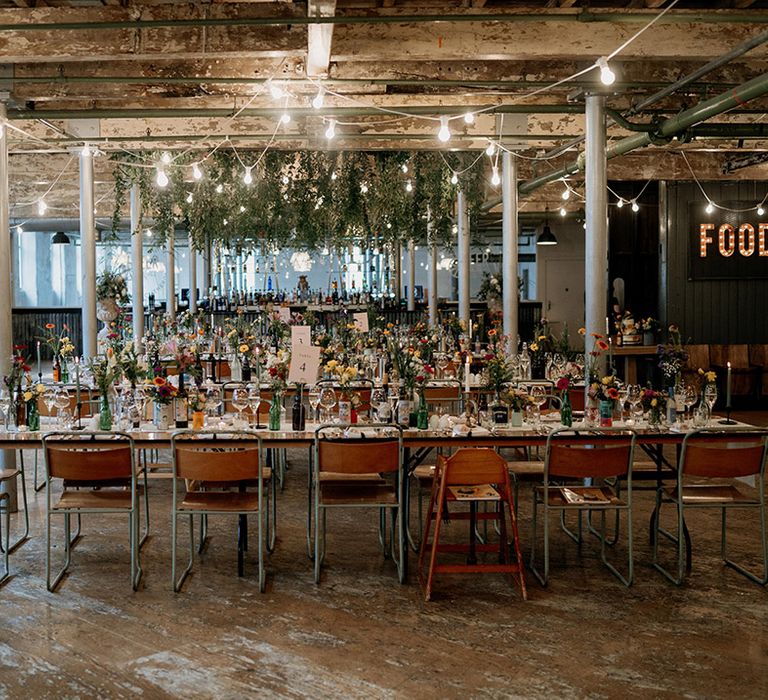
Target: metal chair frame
[230,443]
[588,439]
[85,440]
[730,439]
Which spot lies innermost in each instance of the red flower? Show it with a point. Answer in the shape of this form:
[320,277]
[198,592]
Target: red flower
[26,368]
[428,369]
[613,393]
[19,347]
[488,356]
[420,378]
[602,345]
[563,383]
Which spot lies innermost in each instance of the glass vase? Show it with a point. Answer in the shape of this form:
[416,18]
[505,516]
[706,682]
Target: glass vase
[33,415]
[566,411]
[606,413]
[422,414]
[345,411]
[275,412]
[105,413]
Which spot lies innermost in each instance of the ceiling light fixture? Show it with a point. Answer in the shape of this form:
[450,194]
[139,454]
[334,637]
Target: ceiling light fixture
[469,118]
[275,90]
[454,179]
[635,206]
[60,238]
[546,237]
[330,132]
[161,178]
[444,134]
[760,210]
[491,150]
[197,174]
[495,179]
[607,76]
[317,102]
[42,207]
[248,177]
[710,207]
[620,203]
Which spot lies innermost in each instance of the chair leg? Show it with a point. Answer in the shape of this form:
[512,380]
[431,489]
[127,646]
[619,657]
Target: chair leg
[658,530]
[177,584]
[425,535]
[435,543]
[146,508]
[542,577]
[25,535]
[52,584]
[37,486]
[271,529]
[242,541]
[136,570]
[516,545]
[5,514]
[762,580]
[310,506]
[604,541]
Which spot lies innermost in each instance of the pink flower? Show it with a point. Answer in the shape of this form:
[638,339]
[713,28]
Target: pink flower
[563,383]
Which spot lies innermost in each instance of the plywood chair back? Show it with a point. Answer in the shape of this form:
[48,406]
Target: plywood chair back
[723,455]
[473,466]
[359,456]
[226,459]
[79,458]
[602,455]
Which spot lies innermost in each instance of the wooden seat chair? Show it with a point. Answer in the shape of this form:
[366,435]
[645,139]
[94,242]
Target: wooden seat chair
[605,455]
[352,472]
[216,470]
[98,475]
[7,475]
[715,455]
[483,474]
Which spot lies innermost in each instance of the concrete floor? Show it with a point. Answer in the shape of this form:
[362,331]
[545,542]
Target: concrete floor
[361,634]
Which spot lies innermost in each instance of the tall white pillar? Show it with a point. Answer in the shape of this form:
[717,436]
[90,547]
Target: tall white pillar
[462,222]
[398,286]
[596,254]
[192,276]
[7,457]
[137,269]
[88,252]
[411,275]
[207,267]
[433,284]
[170,275]
[510,235]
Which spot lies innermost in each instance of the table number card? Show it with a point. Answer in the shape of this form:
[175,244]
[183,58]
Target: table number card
[305,365]
[284,313]
[360,319]
[301,336]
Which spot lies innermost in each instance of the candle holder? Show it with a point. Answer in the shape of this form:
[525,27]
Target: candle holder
[727,420]
[79,409]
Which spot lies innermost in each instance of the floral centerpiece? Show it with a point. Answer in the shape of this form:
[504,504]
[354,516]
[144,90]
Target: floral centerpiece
[518,400]
[350,400]
[654,403]
[672,356]
[497,366]
[606,391]
[13,380]
[650,328]
[277,366]
[708,377]
[562,386]
[112,285]
[592,358]
[105,371]
[31,395]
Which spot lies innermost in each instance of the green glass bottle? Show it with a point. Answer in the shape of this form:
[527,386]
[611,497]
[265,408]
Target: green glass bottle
[566,412]
[422,414]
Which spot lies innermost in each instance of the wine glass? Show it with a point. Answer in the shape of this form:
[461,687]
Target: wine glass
[61,401]
[313,396]
[634,396]
[623,397]
[539,395]
[327,401]
[49,397]
[140,399]
[213,399]
[240,402]
[254,400]
[5,404]
[380,403]
[710,396]
[690,397]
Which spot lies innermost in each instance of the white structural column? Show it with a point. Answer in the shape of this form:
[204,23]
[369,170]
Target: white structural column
[509,247]
[433,284]
[88,252]
[192,276]
[170,276]
[411,275]
[137,269]
[596,255]
[462,221]
[397,287]
[207,267]
[7,457]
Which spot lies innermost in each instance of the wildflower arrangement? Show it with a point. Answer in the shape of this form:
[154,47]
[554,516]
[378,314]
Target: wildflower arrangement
[423,376]
[19,369]
[517,399]
[490,287]
[653,400]
[607,389]
[591,359]
[58,341]
[672,356]
[649,325]
[105,371]
[130,364]
[112,285]
[277,366]
[344,375]
[33,391]
[161,391]
[708,377]
[498,369]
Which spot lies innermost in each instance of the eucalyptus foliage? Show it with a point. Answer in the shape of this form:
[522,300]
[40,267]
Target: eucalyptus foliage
[303,199]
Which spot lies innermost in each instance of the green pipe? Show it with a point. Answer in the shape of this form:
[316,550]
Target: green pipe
[703,17]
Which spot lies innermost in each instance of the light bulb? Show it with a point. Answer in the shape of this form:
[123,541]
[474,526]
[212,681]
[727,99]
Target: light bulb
[566,194]
[334,175]
[248,177]
[166,158]
[219,188]
[330,132]
[285,118]
[445,133]
[563,211]
[454,179]
[41,207]
[495,179]
[469,118]
[197,174]
[226,221]
[364,188]
[162,178]
[189,198]
[607,76]
[242,208]
[635,207]
[620,203]
[404,167]
[760,210]
[86,150]
[317,102]
[286,179]
[710,208]
[149,233]
[275,90]
[389,224]
[491,149]
[408,186]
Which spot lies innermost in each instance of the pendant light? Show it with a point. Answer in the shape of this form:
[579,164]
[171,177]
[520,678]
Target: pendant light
[546,237]
[60,238]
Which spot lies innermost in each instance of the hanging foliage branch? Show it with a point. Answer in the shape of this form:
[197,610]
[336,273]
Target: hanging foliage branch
[304,199]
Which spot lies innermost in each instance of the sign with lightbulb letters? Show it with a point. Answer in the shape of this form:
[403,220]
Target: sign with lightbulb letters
[729,243]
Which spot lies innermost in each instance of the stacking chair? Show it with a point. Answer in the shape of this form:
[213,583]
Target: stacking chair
[718,456]
[571,458]
[5,527]
[360,472]
[473,476]
[99,476]
[216,470]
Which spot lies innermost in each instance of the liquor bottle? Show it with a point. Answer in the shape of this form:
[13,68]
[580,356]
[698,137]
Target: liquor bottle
[56,369]
[181,405]
[334,292]
[21,407]
[210,369]
[671,407]
[298,414]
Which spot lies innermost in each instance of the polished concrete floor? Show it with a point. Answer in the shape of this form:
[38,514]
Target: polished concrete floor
[361,634]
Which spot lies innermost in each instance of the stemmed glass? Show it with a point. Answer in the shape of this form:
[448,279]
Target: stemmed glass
[380,403]
[254,400]
[393,397]
[213,399]
[634,396]
[710,396]
[140,399]
[240,403]
[327,401]
[49,397]
[623,397]
[61,401]
[313,396]
[690,397]
[5,404]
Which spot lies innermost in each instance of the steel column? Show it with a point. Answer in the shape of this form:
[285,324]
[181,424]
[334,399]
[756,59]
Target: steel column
[510,236]
[462,222]
[411,275]
[137,269]
[170,277]
[88,253]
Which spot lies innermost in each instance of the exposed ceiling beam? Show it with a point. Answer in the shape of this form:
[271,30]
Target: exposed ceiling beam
[319,38]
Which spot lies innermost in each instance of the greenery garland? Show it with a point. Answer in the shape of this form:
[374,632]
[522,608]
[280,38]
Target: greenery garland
[304,199]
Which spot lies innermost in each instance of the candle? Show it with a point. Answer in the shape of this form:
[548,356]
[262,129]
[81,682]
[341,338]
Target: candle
[211,323]
[728,388]
[607,327]
[77,379]
[466,375]
[470,329]
[39,371]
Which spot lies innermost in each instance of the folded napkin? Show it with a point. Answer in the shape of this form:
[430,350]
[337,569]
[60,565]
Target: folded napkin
[461,430]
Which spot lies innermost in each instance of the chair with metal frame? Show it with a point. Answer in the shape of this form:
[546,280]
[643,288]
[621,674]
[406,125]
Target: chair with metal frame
[474,476]
[571,458]
[5,514]
[360,472]
[214,465]
[98,473]
[717,455]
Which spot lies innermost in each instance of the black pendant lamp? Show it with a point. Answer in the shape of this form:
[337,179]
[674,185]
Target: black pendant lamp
[546,237]
[60,238]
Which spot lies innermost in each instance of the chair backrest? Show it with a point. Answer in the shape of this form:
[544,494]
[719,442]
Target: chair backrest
[364,455]
[446,393]
[471,466]
[597,453]
[234,456]
[90,457]
[723,454]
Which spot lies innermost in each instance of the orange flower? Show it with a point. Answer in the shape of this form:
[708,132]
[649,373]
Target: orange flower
[613,393]
[491,332]
[602,345]
[158,381]
[596,335]
[50,326]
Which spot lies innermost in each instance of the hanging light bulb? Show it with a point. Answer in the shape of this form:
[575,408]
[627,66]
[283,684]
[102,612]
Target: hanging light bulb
[454,179]
[248,177]
[404,167]
[620,203]
[286,179]
[563,211]
[317,102]
[161,178]
[197,174]
[42,207]
[275,90]
[86,150]
[445,133]
[491,149]
[219,188]
[389,224]
[330,132]
[607,76]
[635,206]
[189,198]
[149,233]
[760,210]
[226,221]
[364,188]
[285,118]
[408,186]
[334,175]
[495,179]
[242,208]
[166,158]
[710,207]
[469,118]
[566,193]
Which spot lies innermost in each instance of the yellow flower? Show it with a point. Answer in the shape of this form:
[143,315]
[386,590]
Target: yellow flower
[332,364]
[654,402]
[542,337]
[27,395]
[711,376]
[243,348]
[232,332]
[40,388]
[701,371]
[534,347]
[582,331]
